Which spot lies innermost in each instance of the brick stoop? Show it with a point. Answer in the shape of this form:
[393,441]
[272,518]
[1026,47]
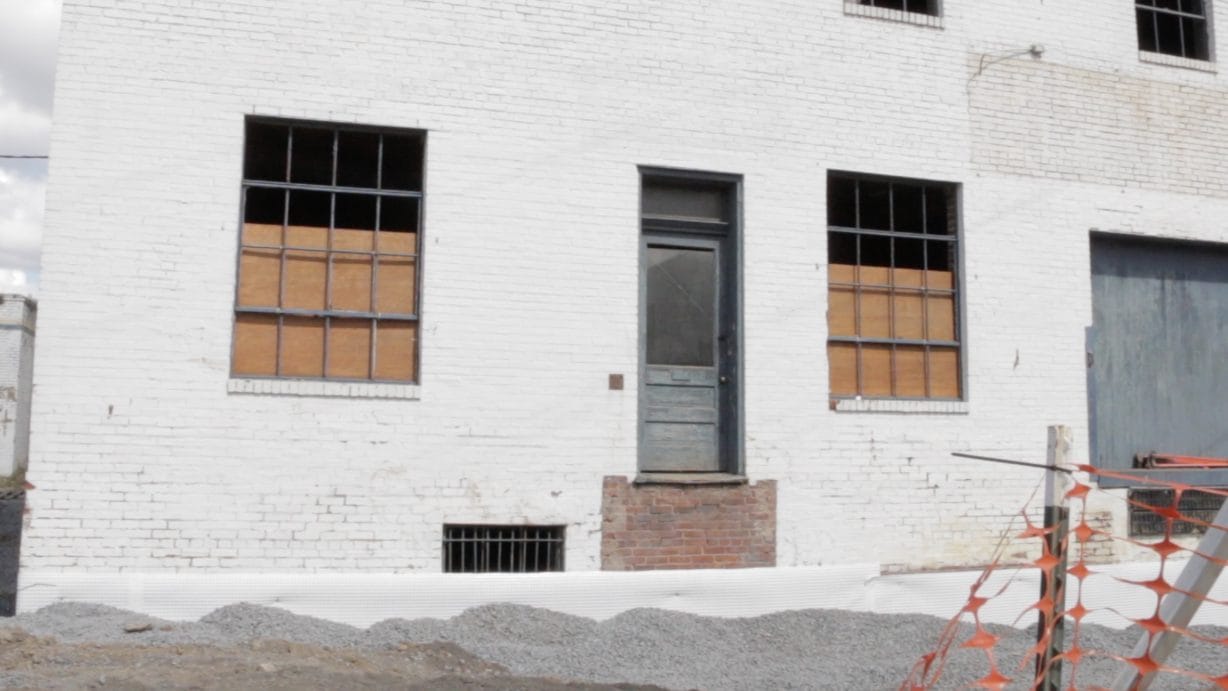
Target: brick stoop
[687,525]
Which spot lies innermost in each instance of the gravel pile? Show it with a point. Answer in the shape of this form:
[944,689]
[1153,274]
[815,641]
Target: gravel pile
[807,649]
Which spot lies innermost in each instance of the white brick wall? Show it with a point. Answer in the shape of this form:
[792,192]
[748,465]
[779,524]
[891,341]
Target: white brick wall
[538,114]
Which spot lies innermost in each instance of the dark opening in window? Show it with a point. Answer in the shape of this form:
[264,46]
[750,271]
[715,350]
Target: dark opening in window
[1173,27]
[929,7]
[502,548]
[1146,521]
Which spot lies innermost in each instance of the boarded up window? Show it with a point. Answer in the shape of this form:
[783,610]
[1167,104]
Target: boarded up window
[893,330]
[328,253]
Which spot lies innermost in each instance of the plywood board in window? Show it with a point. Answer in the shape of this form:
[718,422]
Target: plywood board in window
[305,276]
[940,317]
[875,370]
[842,368]
[349,348]
[396,346]
[840,316]
[259,278]
[944,373]
[907,315]
[302,347]
[396,287]
[401,243]
[874,275]
[255,351]
[351,282]
[262,234]
[875,313]
[910,371]
[841,273]
[307,236]
[353,239]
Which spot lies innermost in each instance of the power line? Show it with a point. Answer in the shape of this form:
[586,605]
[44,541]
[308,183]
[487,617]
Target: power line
[21,156]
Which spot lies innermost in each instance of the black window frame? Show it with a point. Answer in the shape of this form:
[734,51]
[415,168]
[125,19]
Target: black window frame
[931,8]
[413,190]
[1191,20]
[953,237]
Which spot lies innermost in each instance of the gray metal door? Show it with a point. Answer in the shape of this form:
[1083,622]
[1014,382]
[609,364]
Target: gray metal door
[1158,349]
[685,367]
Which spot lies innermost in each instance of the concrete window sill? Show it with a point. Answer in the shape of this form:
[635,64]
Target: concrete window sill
[915,18]
[690,479]
[324,389]
[1175,61]
[881,405]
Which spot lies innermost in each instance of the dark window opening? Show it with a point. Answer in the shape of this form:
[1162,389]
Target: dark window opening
[1145,521]
[502,548]
[1174,27]
[929,7]
[892,288]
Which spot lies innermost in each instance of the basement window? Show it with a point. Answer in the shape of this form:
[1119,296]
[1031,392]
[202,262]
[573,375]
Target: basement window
[502,548]
[1179,28]
[1146,522]
[329,253]
[892,314]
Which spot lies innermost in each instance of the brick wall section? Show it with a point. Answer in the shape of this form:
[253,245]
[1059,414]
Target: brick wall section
[659,526]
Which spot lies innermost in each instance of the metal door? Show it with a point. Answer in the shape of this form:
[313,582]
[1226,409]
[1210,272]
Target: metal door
[688,355]
[1157,349]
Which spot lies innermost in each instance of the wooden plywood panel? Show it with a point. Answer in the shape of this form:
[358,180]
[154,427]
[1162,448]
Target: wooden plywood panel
[349,348]
[910,371]
[944,373]
[396,345]
[940,317]
[841,320]
[908,315]
[305,278]
[842,368]
[401,243]
[259,278]
[255,348]
[940,279]
[874,275]
[396,286]
[351,282]
[306,236]
[353,239]
[875,370]
[262,234]
[907,278]
[875,313]
[302,347]
[841,273]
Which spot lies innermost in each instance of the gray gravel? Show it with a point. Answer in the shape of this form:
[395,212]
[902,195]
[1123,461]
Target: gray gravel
[805,649]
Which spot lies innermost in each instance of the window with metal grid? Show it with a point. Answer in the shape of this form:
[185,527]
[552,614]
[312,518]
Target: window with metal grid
[1174,27]
[892,314]
[1146,521]
[929,7]
[502,548]
[329,252]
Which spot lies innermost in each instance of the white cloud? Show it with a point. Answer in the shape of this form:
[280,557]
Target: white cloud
[29,32]
[21,226]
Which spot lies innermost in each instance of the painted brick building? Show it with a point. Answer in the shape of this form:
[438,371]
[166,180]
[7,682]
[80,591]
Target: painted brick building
[352,287]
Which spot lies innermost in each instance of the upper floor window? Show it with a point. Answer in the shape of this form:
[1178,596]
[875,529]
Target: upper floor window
[893,329]
[1180,28]
[328,253]
[929,7]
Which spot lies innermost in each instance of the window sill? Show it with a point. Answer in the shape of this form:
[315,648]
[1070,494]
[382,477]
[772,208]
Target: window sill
[915,18]
[690,479]
[889,405]
[322,389]
[1176,61]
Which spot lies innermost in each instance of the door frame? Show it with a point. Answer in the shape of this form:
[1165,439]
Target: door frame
[728,238]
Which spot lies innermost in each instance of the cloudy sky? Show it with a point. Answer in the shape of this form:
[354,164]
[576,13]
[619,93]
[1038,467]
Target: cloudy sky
[28,33]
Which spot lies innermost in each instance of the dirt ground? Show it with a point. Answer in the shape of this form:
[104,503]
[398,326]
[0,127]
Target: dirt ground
[28,661]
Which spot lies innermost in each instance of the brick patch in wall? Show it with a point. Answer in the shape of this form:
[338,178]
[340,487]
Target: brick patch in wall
[687,526]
